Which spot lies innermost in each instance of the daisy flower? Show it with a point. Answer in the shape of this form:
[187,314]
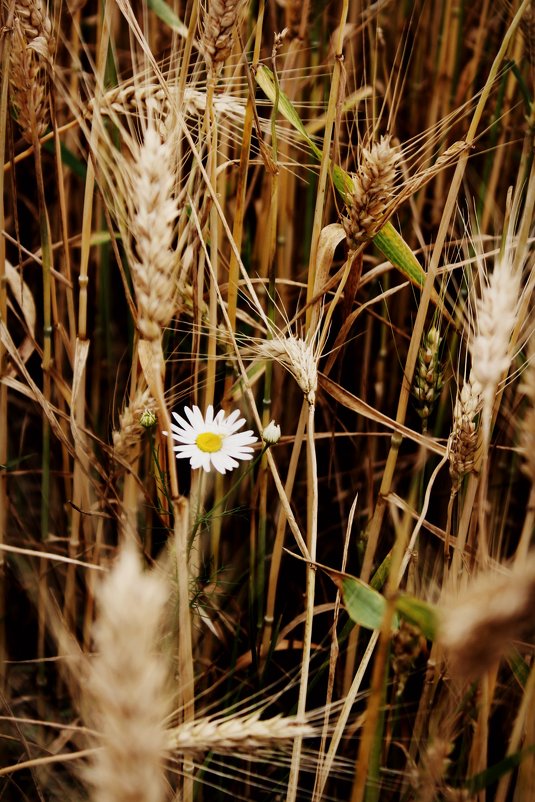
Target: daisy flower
[210,440]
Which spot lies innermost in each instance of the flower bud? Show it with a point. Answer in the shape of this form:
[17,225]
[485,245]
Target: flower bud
[271,433]
[147,419]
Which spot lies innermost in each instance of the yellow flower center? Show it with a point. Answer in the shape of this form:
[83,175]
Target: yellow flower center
[209,442]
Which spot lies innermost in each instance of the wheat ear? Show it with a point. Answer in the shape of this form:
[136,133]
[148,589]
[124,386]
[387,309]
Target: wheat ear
[219,23]
[245,735]
[372,189]
[491,345]
[125,698]
[153,211]
[31,53]
[479,625]
[131,425]
[465,437]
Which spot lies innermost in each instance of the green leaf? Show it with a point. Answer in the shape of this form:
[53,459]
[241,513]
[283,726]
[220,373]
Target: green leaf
[365,605]
[266,81]
[381,575]
[420,613]
[396,250]
[491,775]
[519,667]
[167,15]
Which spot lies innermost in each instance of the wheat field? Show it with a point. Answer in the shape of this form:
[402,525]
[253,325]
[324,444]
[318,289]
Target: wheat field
[267,401]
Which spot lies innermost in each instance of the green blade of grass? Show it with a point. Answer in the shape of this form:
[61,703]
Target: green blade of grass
[420,613]
[364,605]
[491,775]
[167,15]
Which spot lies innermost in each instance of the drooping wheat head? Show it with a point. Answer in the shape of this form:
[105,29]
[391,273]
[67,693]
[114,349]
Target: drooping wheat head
[299,359]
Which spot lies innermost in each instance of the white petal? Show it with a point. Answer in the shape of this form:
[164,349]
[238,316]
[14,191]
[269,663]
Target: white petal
[183,423]
[209,417]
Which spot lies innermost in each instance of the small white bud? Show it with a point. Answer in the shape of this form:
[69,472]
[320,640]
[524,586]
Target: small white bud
[271,433]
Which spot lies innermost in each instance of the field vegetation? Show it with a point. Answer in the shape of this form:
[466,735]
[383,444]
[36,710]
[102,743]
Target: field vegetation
[267,401]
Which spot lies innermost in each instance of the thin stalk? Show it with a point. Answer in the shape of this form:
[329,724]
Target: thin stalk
[211,130]
[46,264]
[325,159]
[6,50]
[152,361]
[312,534]
[349,701]
[276,557]
[269,267]
[237,229]
[333,660]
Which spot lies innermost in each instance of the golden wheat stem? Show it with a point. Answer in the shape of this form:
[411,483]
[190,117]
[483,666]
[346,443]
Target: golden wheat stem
[211,129]
[349,701]
[276,557]
[81,470]
[4,87]
[325,160]
[312,534]
[333,662]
